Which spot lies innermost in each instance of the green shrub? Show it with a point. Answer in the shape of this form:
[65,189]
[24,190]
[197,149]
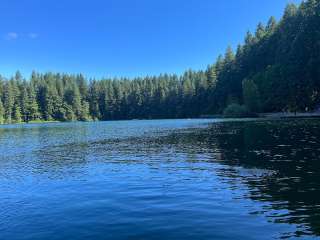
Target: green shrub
[236,111]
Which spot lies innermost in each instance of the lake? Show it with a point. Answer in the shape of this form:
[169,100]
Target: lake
[162,179]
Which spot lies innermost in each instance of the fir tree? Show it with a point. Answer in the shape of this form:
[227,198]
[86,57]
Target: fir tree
[1,112]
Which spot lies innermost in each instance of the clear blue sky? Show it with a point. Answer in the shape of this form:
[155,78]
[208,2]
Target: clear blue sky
[124,37]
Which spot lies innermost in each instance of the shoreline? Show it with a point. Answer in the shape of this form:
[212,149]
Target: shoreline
[290,115]
[278,115]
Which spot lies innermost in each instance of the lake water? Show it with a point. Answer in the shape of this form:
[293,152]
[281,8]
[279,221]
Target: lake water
[166,179]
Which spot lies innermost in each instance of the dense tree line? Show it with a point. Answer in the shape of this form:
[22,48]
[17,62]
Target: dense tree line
[71,97]
[279,65]
[276,68]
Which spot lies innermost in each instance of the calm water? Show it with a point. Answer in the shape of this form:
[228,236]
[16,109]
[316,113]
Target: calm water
[172,179]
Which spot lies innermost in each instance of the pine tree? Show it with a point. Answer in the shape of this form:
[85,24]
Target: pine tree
[85,112]
[211,76]
[249,39]
[1,113]
[94,100]
[229,56]
[260,32]
[23,103]
[290,11]
[271,26]
[8,101]
[17,114]
[76,101]
[32,106]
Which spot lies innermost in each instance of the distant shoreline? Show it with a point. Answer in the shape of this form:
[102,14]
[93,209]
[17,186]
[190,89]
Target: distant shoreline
[281,115]
[30,122]
[291,115]
[278,115]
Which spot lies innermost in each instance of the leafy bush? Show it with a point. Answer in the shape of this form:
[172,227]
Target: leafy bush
[236,111]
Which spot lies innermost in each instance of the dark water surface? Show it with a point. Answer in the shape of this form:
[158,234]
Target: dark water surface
[170,179]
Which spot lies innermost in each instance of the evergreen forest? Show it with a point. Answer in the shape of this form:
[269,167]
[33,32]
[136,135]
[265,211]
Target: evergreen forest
[276,68]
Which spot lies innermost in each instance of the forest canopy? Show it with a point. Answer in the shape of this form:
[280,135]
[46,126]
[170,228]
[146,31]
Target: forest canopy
[277,68]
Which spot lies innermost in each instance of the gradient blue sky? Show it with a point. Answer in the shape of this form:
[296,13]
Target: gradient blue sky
[124,37]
